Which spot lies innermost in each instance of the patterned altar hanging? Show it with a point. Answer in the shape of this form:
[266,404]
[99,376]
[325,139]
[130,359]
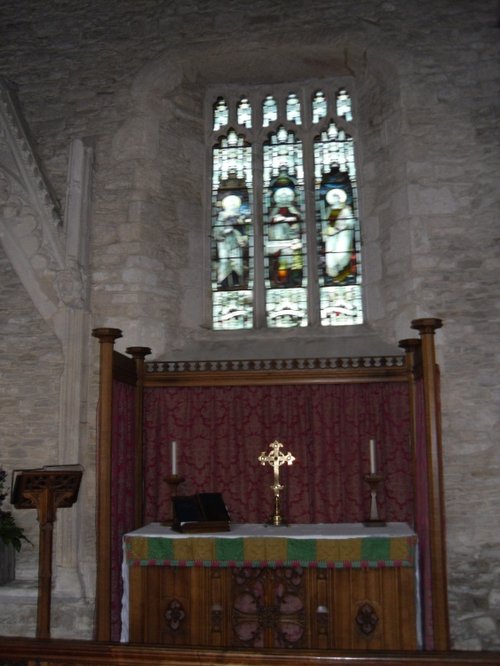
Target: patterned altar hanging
[220,432]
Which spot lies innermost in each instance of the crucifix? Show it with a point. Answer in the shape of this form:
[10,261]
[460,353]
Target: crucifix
[276,458]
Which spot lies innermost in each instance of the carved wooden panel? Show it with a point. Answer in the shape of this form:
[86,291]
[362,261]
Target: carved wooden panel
[283,607]
[268,607]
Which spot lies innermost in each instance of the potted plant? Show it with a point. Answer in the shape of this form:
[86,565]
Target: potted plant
[11,536]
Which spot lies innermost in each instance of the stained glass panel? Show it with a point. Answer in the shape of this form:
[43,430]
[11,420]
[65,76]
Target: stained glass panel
[286,309]
[232,233]
[232,311]
[344,105]
[244,113]
[337,228]
[341,306]
[319,106]
[269,111]
[293,109]
[221,114]
[334,146]
[284,231]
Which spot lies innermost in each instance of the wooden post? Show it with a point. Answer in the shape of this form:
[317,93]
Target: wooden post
[412,347]
[106,337]
[437,525]
[139,354]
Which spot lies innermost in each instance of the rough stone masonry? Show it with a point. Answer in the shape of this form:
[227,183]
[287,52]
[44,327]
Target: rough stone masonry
[113,96]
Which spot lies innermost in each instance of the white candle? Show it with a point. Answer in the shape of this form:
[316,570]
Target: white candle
[373,466]
[174,458]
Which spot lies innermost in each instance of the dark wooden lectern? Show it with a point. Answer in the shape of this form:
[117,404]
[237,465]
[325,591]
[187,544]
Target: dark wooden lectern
[46,490]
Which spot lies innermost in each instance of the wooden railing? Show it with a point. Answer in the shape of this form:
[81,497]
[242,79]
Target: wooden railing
[54,652]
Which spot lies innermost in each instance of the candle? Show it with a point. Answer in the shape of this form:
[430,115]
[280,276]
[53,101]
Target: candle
[174,458]
[373,467]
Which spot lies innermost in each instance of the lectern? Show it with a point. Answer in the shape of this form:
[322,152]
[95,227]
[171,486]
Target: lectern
[46,490]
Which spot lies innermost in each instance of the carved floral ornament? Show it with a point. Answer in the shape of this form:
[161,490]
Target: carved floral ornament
[175,615]
[268,600]
[367,618]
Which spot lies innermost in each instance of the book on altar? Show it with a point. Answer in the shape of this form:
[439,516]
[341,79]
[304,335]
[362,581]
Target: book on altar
[203,512]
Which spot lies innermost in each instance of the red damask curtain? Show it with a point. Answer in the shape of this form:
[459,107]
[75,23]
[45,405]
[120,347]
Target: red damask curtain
[123,495]
[221,431]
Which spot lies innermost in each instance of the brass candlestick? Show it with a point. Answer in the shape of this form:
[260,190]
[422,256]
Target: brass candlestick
[276,458]
[373,481]
[174,481]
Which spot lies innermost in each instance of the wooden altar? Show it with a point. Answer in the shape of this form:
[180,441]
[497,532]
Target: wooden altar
[416,369]
[309,586]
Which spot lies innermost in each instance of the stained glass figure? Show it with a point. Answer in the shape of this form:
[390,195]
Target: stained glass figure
[221,114]
[319,106]
[293,109]
[269,111]
[344,105]
[337,227]
[284,233]
[338,242]
[244,113]
[232,234]
[339,274]
[284,237]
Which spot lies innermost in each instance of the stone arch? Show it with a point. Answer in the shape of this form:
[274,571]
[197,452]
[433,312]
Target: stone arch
[163,139]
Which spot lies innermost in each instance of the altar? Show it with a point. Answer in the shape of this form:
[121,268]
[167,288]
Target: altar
[314,586]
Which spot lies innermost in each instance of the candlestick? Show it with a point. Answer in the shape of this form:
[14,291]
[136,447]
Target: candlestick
[373,466]
[373,481]
[174,458]
[173,482]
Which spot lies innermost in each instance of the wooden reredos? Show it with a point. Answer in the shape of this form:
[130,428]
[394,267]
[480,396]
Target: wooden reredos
[416,366]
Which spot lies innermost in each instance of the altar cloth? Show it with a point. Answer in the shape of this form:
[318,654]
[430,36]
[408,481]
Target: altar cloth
[344,545]
[334,546]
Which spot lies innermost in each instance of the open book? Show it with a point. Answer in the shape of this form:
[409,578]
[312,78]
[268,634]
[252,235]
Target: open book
[204,512]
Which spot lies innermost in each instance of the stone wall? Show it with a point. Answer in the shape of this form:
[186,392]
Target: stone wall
[128,78]
[30,369]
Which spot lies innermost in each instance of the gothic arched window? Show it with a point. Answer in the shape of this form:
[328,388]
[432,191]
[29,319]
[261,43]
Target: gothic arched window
[285,238]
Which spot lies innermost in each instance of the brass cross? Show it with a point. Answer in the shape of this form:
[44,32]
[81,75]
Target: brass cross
[276,458]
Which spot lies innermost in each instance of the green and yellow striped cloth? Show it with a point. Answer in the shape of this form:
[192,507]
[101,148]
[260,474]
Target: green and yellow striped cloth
[216,551]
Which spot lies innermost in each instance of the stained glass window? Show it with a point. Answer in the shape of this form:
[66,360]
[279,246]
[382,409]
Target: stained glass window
[284,254]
